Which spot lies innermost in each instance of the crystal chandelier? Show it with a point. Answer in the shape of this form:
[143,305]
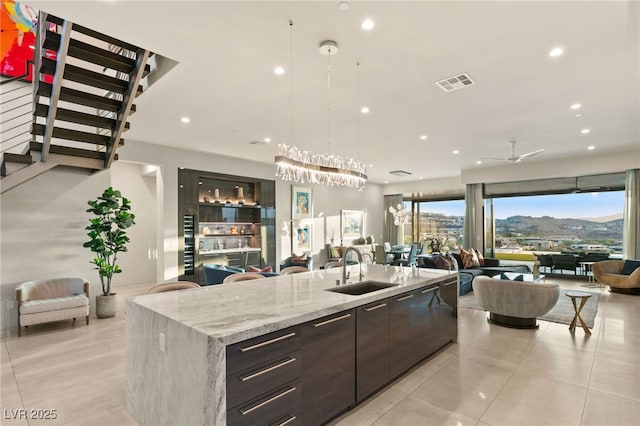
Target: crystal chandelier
[300,166]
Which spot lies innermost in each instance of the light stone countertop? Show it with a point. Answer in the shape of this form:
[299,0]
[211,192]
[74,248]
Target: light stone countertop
[234,312]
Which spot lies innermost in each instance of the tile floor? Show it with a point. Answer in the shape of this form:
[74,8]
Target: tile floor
[492,376]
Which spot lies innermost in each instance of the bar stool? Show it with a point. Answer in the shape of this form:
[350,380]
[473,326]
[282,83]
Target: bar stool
[584,297]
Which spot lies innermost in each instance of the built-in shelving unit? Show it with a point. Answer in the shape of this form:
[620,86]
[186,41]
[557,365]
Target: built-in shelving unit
[233,221]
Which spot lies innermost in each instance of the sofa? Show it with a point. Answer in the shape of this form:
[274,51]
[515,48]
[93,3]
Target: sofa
[51,300]
[489,267]
[515,304]
[622,276]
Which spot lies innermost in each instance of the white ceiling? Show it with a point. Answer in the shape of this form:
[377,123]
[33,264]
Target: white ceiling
[225,81]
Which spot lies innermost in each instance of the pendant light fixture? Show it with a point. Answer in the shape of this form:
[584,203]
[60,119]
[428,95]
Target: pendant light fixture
[301,166]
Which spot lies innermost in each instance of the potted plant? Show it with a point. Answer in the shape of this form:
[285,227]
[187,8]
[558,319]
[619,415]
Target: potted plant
[108,238]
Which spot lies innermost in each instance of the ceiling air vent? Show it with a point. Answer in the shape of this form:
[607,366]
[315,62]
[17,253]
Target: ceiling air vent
[400,173]
[456,82]
[258,142]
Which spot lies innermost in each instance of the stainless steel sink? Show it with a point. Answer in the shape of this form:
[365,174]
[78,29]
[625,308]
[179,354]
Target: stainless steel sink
[363,287]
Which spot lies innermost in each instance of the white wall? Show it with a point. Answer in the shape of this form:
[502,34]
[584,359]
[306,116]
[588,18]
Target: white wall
[43,228]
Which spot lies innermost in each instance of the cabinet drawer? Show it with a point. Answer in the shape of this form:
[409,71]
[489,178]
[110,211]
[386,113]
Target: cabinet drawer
[262,349]
[279,404]
[247,384]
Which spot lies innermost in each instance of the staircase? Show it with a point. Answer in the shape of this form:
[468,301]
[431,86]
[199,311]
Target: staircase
[75,112]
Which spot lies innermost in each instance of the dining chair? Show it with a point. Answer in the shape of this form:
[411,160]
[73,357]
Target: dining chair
[293,270]
[179,285]
[411,260]
[243,276]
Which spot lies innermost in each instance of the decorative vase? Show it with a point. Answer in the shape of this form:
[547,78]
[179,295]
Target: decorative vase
[400,240]
[106,306]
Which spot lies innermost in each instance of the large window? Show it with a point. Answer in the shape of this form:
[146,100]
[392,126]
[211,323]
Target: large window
[443,220]
[583,222]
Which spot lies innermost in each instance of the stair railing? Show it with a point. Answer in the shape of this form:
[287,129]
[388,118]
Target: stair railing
[16,95]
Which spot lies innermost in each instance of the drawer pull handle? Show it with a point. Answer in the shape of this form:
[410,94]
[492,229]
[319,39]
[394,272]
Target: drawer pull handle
[429,290]
[268,401]
[268,342]
[404,298]
[289,420]
[267,370]
[382,305]
[320,324]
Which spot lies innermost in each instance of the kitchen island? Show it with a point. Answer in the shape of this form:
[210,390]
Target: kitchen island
[282,350]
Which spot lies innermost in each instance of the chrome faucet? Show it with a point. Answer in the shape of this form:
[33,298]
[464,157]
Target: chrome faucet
[344,265]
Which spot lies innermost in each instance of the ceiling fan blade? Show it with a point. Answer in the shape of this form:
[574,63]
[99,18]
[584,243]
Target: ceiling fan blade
[530,154]
[493,158]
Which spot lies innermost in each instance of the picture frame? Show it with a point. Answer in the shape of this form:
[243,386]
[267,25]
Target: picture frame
[301,235]
[301,202]
[351,224]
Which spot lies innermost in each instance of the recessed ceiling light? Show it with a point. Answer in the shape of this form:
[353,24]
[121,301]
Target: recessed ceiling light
[591,147]
[578,115]
[267,140]
[585,131]
[181,186]
[185,119]
[556,51]
[576,106]
[370,165]
[423,137]
[368,24]
[420,178]
[455,151]
[478,162]
[386,181]
[364,110]
[343,5]
[199,182]
[278,70]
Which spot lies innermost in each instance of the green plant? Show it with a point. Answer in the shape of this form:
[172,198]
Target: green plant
[107,233]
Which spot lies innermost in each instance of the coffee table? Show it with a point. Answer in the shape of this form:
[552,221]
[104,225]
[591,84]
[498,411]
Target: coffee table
[530,278]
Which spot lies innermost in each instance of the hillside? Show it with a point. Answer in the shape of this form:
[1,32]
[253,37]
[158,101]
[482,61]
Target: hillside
[546,227]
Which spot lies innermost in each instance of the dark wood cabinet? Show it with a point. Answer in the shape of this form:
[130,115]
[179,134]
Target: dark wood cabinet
[311,373]
[263,379]
[328,374]
[372,348]
[403,322]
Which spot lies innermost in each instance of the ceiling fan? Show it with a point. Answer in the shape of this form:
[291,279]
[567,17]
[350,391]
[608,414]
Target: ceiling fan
[515,158]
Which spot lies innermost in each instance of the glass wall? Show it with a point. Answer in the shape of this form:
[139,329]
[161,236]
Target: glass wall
[581,222]
[443,220]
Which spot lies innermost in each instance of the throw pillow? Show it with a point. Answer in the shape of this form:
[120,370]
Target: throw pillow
[480,257]
[256,269]
[504,276]
[452,260]
[629,266]
[441,262]
[299,260]
[469,259]
[458,259]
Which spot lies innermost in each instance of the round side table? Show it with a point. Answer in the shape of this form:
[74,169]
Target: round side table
[583,301]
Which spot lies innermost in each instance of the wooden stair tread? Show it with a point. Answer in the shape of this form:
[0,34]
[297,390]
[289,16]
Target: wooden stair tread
[78,117]
[85,51]
[90,78]
[82,98]
[67,150]
[72,135]
[17,158]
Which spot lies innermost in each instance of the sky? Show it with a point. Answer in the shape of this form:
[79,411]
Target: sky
[587,205]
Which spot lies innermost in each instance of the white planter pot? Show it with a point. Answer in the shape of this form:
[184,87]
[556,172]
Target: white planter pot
[106,306]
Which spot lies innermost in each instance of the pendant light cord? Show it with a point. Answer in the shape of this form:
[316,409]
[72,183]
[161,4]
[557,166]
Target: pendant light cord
[290,82]
[329,101]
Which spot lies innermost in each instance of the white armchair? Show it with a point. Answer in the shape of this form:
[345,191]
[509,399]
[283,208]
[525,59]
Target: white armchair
[52,300]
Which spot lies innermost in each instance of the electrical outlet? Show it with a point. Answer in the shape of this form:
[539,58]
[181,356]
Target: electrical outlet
[162,342]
